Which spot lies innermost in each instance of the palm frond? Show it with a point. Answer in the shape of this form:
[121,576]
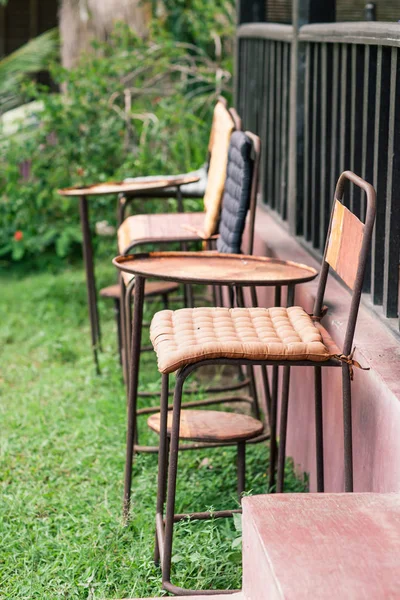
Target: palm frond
[32,57]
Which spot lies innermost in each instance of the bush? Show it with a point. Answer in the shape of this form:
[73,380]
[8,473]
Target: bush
[131,107]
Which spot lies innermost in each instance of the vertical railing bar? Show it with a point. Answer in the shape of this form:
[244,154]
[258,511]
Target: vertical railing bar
[307,110]
[260,77]
[265,156]
[277,126]
[335,116]
[343,104]
[365,125]
[248,86]
[380,171]
[244,77]
[369,130]
[252,120]
[256,98]
[353,109]
[316,149]
[324,144]
[284,130]
[357,123]
[392,217]
[271,130]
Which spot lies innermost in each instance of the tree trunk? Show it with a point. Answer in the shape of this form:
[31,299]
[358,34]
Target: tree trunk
[81,21]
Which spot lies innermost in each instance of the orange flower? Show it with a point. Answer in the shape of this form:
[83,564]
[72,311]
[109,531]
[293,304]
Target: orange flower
[18,235]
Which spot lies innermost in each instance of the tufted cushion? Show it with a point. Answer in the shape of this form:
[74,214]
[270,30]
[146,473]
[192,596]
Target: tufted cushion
[236,198]
[189,335]
[221,133]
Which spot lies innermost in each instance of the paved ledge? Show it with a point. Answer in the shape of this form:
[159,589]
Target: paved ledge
[376,393]
[325,546]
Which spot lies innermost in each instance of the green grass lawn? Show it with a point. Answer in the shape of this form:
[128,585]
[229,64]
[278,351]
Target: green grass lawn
[62,445]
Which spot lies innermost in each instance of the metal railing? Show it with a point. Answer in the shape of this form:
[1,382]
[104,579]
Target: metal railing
[347,118]
[263,68]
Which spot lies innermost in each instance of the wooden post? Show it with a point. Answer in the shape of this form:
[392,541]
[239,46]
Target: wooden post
[304,12]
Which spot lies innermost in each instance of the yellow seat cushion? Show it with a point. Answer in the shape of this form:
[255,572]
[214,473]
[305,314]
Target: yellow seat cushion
[190,335]
[222,128]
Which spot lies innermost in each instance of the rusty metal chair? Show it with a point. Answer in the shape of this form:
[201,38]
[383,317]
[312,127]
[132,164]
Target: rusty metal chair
[187,339]
[239,199]
[181,227]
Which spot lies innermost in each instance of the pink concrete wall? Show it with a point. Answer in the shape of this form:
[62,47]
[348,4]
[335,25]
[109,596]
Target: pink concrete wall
[376,393]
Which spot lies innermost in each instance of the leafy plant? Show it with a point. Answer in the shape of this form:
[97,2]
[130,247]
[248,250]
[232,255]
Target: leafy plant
[130,107]
[32,57]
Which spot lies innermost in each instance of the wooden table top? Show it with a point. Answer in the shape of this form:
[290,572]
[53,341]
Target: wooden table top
[117,187]
[211,267]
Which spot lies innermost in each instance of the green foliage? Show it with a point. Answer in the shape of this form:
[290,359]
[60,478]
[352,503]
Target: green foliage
[30,58]
[202,22]
[62,461]
[131,107]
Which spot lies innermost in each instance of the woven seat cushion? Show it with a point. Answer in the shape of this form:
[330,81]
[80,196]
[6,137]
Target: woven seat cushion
[236,198]
[190,335]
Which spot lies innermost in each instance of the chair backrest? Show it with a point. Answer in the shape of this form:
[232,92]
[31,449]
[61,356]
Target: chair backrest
[346,250]
[240,193]
[221,107]
[224,123]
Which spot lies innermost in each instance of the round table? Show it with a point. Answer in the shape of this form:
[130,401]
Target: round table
[207,268]
[137,188]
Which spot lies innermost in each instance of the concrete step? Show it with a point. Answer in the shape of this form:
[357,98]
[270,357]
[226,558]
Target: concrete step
[322,546]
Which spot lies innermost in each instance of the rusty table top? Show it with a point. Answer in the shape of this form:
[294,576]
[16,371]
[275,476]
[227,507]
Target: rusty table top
[211,267]
[116,187]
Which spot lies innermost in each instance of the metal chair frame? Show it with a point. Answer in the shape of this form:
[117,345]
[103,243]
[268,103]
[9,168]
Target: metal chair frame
[169,449]
[123,202]
[249,380]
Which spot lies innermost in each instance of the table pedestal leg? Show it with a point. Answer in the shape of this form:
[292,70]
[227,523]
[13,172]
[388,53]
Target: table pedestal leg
[90,278]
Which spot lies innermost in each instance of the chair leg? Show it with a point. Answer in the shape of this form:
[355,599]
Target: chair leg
[231,295]
[172,476]
[128,315]
[162,457]
[253,391]
[241,469]
[125,342]
[131,434]
[164,298]
[319,431]
[347,429]
[264,371]
[117,311]
[220,300]
[272,428]
[283,429]
[267,393]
